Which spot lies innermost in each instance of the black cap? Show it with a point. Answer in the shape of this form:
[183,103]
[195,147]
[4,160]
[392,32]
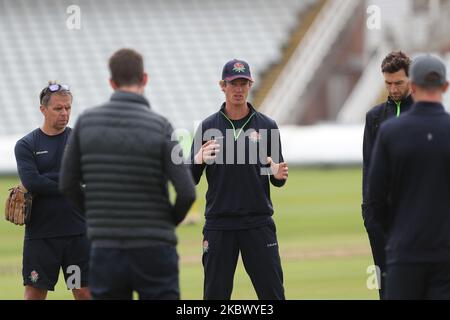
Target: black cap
[428,71]
[236,69]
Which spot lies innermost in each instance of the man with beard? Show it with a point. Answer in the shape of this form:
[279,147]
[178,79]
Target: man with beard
[395,69]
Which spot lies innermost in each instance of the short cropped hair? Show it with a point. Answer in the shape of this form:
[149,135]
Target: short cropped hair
[126,67]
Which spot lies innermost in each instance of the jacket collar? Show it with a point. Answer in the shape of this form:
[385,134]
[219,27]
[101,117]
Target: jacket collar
[408,101]
[252,109]
[424,107]
[126,96]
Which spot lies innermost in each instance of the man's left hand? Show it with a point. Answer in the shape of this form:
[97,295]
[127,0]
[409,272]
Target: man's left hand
[279,170]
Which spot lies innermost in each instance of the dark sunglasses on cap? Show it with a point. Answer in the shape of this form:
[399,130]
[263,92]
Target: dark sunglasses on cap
[54,88]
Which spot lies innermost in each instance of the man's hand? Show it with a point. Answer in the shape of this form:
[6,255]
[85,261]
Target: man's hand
[279,170]
[207,153]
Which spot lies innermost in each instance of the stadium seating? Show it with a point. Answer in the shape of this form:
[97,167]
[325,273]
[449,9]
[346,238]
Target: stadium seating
[185,44]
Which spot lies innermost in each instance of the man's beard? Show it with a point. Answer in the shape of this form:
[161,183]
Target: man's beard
[401,97]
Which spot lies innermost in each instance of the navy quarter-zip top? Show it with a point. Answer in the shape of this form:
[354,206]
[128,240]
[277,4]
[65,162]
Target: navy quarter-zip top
[409,185]
[238,195]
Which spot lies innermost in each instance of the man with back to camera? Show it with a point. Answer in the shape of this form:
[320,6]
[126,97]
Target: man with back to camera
[238,205]
[121,151]
[409,187]
[55,237]
[395,69]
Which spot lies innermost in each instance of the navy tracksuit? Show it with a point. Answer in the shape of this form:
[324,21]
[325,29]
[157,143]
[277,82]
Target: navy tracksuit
[408,198]
[55,237]
[374,118]
[238,205]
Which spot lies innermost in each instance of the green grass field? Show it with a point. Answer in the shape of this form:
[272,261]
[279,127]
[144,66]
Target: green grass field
[324,248]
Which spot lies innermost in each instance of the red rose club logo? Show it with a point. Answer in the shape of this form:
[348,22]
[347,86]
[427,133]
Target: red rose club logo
[34,276]
[255,137]
[205,246]
[238,67]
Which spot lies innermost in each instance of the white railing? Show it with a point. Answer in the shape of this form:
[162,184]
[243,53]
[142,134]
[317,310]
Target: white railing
[447,94]
[7,158]
[322,144]
[284,95]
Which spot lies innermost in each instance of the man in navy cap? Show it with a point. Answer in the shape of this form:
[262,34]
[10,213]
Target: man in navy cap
[240,150]
[409,188]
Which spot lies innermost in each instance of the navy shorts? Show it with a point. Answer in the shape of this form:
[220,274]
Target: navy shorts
[43,258]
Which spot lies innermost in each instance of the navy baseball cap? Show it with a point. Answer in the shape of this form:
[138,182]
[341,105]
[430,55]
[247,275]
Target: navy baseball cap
[236,69]
[428,71]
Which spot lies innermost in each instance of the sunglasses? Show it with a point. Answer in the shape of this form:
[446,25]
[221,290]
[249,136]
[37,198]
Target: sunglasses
[57,87]
[54,88]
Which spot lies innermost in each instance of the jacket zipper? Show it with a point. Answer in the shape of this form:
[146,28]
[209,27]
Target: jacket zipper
[234,129]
